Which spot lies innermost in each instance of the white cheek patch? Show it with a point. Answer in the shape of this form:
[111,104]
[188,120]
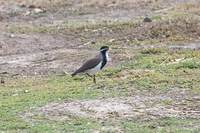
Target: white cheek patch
[107,57]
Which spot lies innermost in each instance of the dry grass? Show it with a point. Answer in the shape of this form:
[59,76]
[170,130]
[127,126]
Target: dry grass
[192,8]
[88,3]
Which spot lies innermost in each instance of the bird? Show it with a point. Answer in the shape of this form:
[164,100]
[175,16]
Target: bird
[94,65]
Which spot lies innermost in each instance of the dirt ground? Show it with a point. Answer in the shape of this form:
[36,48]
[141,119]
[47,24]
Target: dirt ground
[27,52]
[139,107]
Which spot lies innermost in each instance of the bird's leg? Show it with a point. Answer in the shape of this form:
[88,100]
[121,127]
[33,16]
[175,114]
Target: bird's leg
[94,79]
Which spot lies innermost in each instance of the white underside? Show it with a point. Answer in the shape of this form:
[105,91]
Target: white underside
[98,67]
[95,69]
[108,57]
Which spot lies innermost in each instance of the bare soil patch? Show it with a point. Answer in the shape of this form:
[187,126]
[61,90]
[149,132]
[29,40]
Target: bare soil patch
[36,54]
[41,52]
[79,9]
[175,103]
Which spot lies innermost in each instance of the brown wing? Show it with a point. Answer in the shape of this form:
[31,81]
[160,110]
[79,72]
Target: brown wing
[88,65]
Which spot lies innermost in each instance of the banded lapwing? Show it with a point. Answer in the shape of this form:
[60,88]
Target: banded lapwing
[94,65]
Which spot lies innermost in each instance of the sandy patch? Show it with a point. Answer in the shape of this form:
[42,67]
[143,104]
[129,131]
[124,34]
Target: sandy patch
[136,107]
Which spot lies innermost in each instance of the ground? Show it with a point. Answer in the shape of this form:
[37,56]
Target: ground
[151,84]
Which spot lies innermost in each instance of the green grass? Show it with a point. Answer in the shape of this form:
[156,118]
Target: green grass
[172,125]
[22,94]
[150,69]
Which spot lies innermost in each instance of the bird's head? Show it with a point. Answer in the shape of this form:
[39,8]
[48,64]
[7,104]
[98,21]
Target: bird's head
[104,48]
[104,52]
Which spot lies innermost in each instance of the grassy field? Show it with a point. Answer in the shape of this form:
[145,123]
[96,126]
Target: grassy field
[153,71]
[151,85]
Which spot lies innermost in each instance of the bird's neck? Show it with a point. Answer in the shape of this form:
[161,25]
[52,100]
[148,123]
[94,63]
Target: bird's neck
[104,56]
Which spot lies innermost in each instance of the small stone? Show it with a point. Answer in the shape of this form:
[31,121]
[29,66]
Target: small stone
[27,13]
[93,42]
[38,10]
[111,40]
[16,94]
[22,5]
[12,35]
[26,91]
[86,43]
[4,72]
[32,6]
[147,19]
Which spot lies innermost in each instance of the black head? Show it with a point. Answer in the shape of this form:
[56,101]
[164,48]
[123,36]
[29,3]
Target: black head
[104,48]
